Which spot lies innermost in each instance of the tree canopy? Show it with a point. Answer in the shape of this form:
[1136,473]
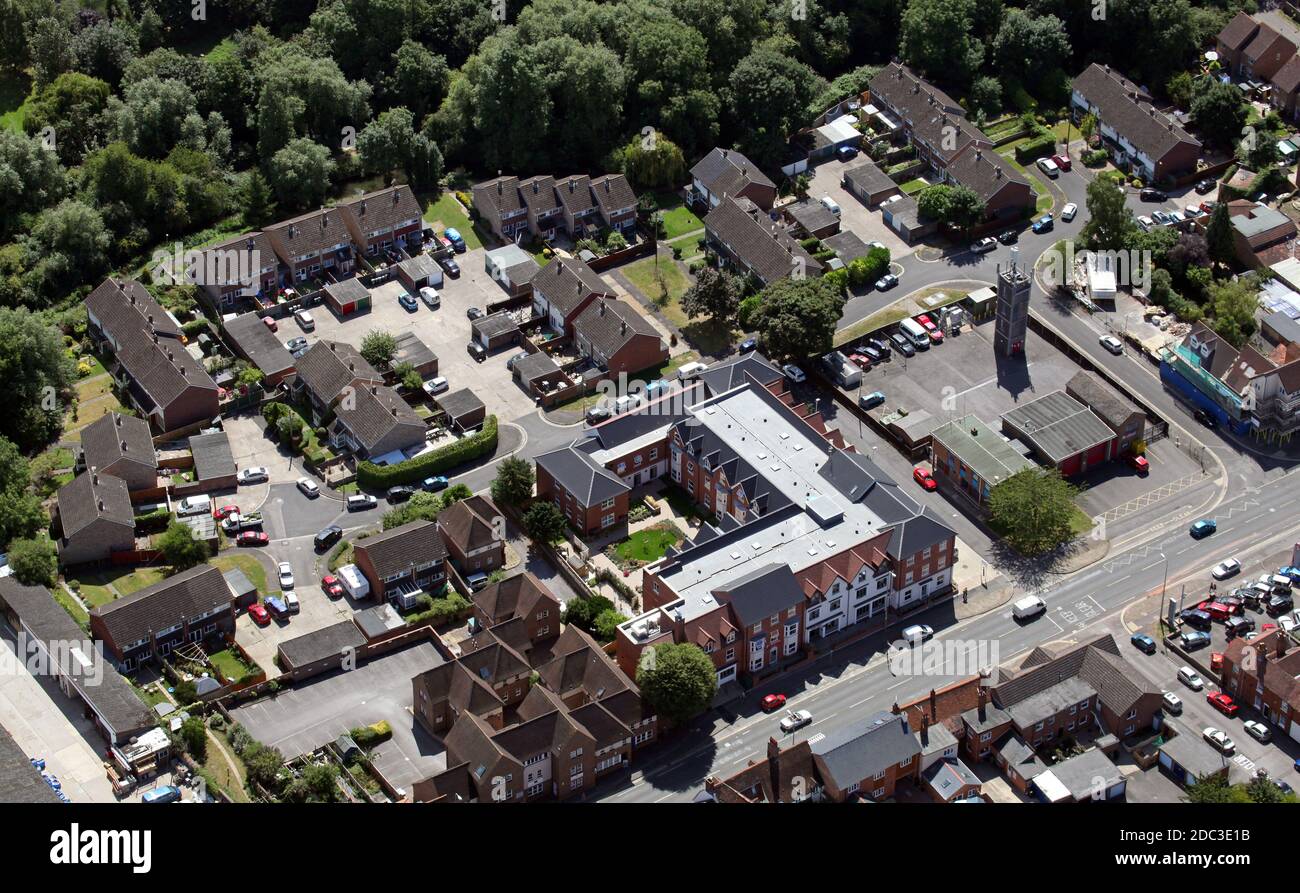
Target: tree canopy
[798,317]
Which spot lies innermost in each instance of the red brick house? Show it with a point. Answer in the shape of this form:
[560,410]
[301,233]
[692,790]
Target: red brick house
[381,220]
[521,598]
[500,206]
[1265,674]
[474,531]
[562,290]
[726,172]
[403,563]
[617,338]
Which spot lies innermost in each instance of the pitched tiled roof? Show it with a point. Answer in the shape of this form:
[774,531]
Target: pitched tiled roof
[396,550]
[374,413]
[754,784]
[468,523]
[1123,107]
[185,596]
[898,86]
[567,281]
[575,471]
[127,312]
[1109,404]
[574,193]
[501,193]
[1096,663]
[459,403]
[309,233]
[764,246]
[329,366]
[516,596]
[1287,78]
[91,496]
[538,193]
[984,171]
[609,323]
[727,172]
[1267,44]
[858,749]
[116,436]
[1238,32]
[613,193]
[20,780]
[383,210]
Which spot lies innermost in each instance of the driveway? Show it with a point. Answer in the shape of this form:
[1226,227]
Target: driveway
[855,217]
[311,715]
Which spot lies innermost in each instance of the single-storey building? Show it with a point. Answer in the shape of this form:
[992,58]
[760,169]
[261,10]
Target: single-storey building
[495,330]
[1119,413]
[513,267]
[465,411]
[812,218]
[868,183]
[902,214]
[970,458]
[1188,759]
[848,246]
[1090,776]
[410,349]
[419,271]
[347,297]
[320,651]
[249,337]
[1062,432]
[214,463]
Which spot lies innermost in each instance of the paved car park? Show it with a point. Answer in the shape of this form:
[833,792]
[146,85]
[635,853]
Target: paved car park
[869,225]
[311,715]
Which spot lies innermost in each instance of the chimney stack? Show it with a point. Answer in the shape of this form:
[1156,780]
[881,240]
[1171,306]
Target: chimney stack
[983,703]
[774,767]
[934,705]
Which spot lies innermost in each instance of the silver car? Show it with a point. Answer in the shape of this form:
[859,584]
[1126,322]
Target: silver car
[797,719]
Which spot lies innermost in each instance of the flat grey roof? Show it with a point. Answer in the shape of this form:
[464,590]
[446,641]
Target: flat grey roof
[460,403]
[1058,425]
[212,456]
[410,349]
[323,643]
[1080,774]
[1190,751]
[981,448]
[499,323]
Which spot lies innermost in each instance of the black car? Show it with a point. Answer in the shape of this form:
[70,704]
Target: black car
[902,344]
[476,351]
[1153,195]
[597,414]
[1238,626]
[474,313]
[1280,604]
[1010,237]
[871,352]
[399,493]
[879,344]
[1204,186]
[328,537]
[749,345]
[1196,619]
[1205,418]
[449,265]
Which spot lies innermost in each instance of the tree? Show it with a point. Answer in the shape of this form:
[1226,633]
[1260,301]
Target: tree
[72,107]
[378,348]
[1033,510]
[391,143]
[263,763]
[678,680]
[771,91]
[21,514]
[104,50]
[1027,47]
[715,294]
[958,206]
[1218,236]
[798,317]
[419,80]
[257,204]
[1111,224]
[194,736]
[1233,304]
[34,562]
[867,269]
[583,611]
[1261,789]
[180,548]
[653,162]
[513,484]
[544,522]
[31,178]
[1088,126]
[1180,89]
[1219,111]
[37,373]
[986,96]
[1214,789]
[937,37]
[607,624]
[301,173]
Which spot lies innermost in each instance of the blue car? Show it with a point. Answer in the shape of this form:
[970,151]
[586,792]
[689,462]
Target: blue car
[749,345]
[409,302]
[1292,573]
[433,484]
[1043,224]
[1194,640]
[457,243]
[165,794]
[1203,528]
[277,607]
[867,401]
[1143,643]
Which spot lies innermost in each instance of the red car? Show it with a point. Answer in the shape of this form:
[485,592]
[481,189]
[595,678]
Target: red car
[926,323]
[252,538]
[1207,207]
[259,614]
[333,588]
[1139,464]
[221,513]
[1062,161]
[1222,703]
[271,324]
[923,477]
[862,360]
[773,702]
[1216,661]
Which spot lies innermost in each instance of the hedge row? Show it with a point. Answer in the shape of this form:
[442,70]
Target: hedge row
[375,733]
[381,477]
[1031,150]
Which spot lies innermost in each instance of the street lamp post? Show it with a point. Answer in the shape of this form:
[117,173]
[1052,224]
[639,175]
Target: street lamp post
[1165,582]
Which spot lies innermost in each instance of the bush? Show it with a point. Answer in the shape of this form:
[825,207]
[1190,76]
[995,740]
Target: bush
[1096,157]
[451,607]
[1043,144]
[194,327]
[375,733]
[375,477]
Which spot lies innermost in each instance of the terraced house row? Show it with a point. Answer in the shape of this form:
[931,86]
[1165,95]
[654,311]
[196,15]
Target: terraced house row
[541,206]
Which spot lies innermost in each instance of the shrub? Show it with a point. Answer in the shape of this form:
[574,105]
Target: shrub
[1095,157]
[484,442]
[369,736]
[194,327]
[1030,150]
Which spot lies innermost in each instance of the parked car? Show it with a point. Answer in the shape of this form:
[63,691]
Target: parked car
[867,401]
[773,702]
[359,502]
[748,345]
[305,320]
[1236,626]
[408,302]
[435,386]
[1043,224]
[984,245]
[1139,463]
[434,484]
[795,721]
[400,493]
[277,607]
[258,613]
[167,793]
[1144,643]
[1204,186]
[476,351]
[1048,166]
[290,601]
[830,205]
[474,313]
[1203,528]
[429,295]
[1194,640]
[1063,162]
[253,475]
[457,243]
[1145,223]
[1009,237]
[252,538]
[331,586]
[449,266]
[1216,662]
[1068,212]
[1192,679]
[923,477]
[1219,740]
[794,373]
[917,634]
[1258,731]
[597,414]
[1225,569]
[1279,604]
[286,575]
[1150,194]
[846,153]
[309,487]
[871,353]
[886,282]
[1112,344]
[1222,702]
[1205,418]
[861,360]
[1191,212]
[1196,619]
[1172,702]
[327,537]
[294,344]
[880,344]
[271,324]
[902,345]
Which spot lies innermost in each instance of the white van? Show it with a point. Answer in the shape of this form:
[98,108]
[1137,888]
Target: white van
[830,205]
[194,505]
[917,335]
[690,370]
[1027,607]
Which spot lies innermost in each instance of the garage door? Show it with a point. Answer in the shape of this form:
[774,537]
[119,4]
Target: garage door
[1294,731]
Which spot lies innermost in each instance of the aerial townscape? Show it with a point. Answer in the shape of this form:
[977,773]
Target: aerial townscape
[649,401]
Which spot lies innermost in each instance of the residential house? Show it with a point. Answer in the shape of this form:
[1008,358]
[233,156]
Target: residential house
[378,221]
[545,215]
[616,202]
[578,208]
[1284,91]
[591,498]
[316,245]
[520,598]
[784,776]
[474,532]
[403,563]
[1261,236]
[95,519]
[376,424]
[330,371]
[617,338]
[745,238]
[563,288]
[238,268]
[500,205]
[1233,40]
[866,758]
[167,385]
[726,172]
[250,337]
[190,607]
[1264,674]
[1264,54]
[1153,144]
[1006,192]
[120,446]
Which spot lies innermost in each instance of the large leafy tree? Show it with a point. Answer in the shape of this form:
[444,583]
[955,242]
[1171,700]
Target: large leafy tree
[958,206]
[37,374]
[300,173]
[180,548]
[31,178]
[71,108]
[306,95]
[678,680]
[378,347]
[771,91]
[1218,235]
[1111,225]
[21,514]
[34,562]
[1220,112]
[1029,46]
[544,522]
[1233,304]
[1032,510]
[513,484]
[391,143]
[715,294]
[938,38]
[798,317]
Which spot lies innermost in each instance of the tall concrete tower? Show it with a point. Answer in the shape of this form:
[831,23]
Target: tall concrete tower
[1012,320]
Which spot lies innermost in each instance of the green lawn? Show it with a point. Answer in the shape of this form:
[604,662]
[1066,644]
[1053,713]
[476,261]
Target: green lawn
[1044,201]
[229,664]
[679,219]
[689,245]
[649,544]
[445,212]
[886,316]
[70,605]
[911,187]
[95,585]
[646,274]
[251,567]
[15,91]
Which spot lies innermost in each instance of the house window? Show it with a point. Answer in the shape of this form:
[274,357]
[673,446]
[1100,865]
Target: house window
[607,521]
[654,453]
[607,504]
[636,460]
[878,776]
[731,654]
[731,637]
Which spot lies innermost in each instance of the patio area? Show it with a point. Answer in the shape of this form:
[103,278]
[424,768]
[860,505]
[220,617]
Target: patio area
[643,541]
